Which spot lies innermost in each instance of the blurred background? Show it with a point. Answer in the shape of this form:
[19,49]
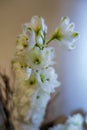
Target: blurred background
[70,66]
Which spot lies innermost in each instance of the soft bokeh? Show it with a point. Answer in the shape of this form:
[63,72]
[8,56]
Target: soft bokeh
[71,66]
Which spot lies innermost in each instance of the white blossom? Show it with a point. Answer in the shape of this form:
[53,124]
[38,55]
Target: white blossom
[21,42]
[26,40]
[38,25]
[76,119]
[65,33]
[74,122]
[58,127]
[31,38]
[74,127]
[39,106]
[22,72]
[38,97]
[39,58]
[36,79]
[47,79]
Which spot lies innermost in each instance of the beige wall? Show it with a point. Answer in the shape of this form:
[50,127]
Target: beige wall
[71,66]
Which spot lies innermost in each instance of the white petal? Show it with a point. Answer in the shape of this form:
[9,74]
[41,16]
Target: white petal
[31,38]
[47,79]
[35,21]
[38,22]
[64,22]
[71,27]
[75,119]
[28,71]
[25,27]
[39,40]
[65,33]
[44,27]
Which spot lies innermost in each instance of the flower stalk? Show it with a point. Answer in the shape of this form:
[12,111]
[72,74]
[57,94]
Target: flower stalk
[36,79]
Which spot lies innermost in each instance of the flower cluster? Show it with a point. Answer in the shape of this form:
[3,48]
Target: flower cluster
[36,79]
[74,122]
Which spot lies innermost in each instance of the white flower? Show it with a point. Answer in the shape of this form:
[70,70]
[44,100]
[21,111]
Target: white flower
[26,40]
[21,42]
[36,24]
[23,101]
[39,102]
[74,127]
[76,119]
[74,122]
[35,78]
[58,127]
[40,98]
[32,81]
[47,79]
[65,33]
[31,38]
[38,58]
[65,127]
[37,116]
[33,34]
[22,72]
[20,101]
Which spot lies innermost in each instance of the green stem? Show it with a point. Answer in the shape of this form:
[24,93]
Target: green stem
[51,39]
